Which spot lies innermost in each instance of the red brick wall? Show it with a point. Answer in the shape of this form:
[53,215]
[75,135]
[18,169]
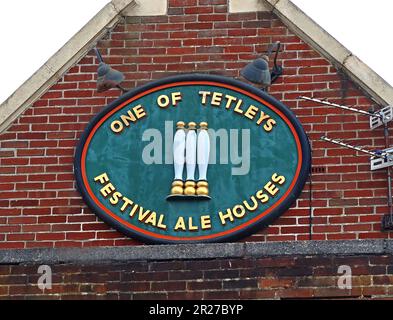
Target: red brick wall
[250,278]
[39,206]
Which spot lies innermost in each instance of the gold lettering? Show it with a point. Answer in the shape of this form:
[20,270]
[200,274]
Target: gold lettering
[126,118]
[216,99]
[271,188]
[262,197]
[152,219]
[262,118]
[224,217]
[204,95]
[176,97]
[237,108]
[139,111]
[251,208]
[278,179]
[239,211]
[160,223]
[206,222]
[107,189]
[191,227]
[133,210]
[163,101]
[127,202]
[115,198]
[143,215]
[180,224]
[230,99]
[251,112]
[117,126]
[268,126]
[102,178]
[133,115]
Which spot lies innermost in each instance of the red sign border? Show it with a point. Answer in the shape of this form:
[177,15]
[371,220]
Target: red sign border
[128,98]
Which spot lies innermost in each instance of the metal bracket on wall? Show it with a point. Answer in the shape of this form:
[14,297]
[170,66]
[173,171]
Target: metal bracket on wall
[382,117]
[379,158]
[382,162]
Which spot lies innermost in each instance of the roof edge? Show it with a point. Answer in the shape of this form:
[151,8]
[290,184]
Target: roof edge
[320,40]
[46,76]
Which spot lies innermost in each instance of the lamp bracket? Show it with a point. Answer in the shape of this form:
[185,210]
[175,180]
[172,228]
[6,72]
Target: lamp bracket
[277,69]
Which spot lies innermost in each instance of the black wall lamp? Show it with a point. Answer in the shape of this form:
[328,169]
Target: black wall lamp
[108,78]
[258,71]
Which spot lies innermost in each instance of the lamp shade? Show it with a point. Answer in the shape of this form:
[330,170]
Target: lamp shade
[108,78]
[257,72]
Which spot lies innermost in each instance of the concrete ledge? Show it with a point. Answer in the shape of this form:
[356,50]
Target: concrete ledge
[358,247]
[195,251]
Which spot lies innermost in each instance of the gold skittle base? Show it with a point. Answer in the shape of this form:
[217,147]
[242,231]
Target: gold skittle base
[190,190]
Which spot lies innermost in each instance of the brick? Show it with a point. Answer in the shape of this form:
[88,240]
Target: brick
[170,27]
[175,11]
[212,2]
[240,284]
[257,294]
[334,292]
[212,17]
[204,285]
[232,49]
[198,42]
[80,235]
[149,35]
[181,51]
[242,32]
[149,296]
[185,275]
[50,236]
[170,265]
[36,228]
[198,10]
[168,286]
[246,16]
[275,283]
[194,295]
[221,274]
[183,34]
[182,18]
[221,295]
[199,26]
[182,3]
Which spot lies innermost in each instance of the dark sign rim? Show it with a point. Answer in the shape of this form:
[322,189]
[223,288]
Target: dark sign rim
[235,235]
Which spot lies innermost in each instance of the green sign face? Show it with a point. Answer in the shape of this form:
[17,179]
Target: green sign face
[192,158]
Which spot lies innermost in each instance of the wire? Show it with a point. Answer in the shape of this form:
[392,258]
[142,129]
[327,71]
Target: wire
[98,54]
[310,200]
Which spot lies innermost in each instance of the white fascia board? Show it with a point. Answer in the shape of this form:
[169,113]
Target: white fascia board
[147,8]
[236,6]
[314,35]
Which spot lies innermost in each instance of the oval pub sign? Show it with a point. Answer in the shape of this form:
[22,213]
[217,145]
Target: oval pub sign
[192,158]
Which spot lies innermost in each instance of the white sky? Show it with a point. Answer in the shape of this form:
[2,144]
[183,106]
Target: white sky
[31,31]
